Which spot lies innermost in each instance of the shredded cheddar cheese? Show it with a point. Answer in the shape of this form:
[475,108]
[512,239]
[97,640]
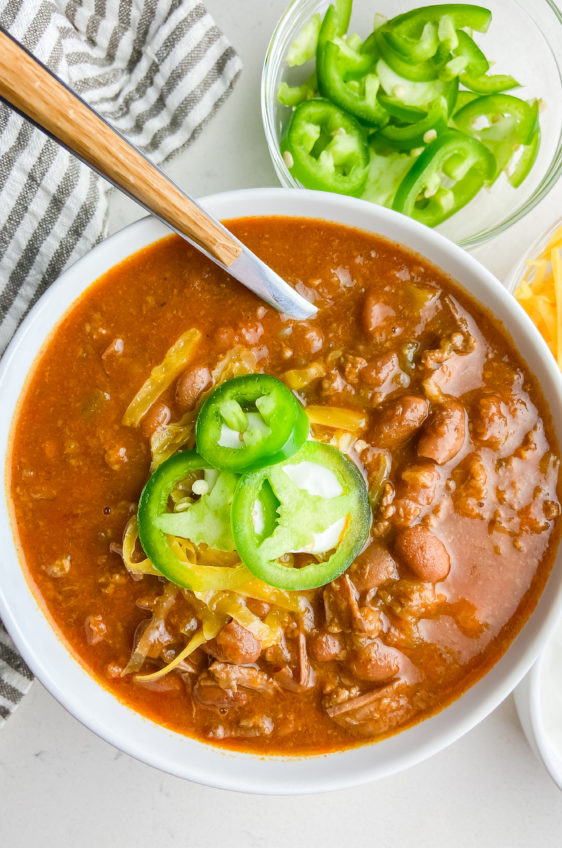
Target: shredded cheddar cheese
[540,293]
[162,376]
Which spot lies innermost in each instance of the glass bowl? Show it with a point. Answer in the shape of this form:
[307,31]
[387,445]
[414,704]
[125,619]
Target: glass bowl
[524,39]
[518,271]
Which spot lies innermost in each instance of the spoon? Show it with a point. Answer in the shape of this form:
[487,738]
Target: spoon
[36,93]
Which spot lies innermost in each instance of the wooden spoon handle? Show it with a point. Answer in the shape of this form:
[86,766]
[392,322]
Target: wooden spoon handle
[35,92]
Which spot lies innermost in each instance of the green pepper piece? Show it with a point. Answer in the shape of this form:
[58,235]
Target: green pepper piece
[489,84]
[416,72]
[526,160]
[207,520]
[407,33]
[425,192]
[292,95]
[351,83]
[474,74]
[397,109]
[248,422]
[387,168]
[476,62]
[335,22]
[413,135]
[509,122]
[210,525]
[303,48]
[327,148]
[302,518]
[415,93]
[464,97]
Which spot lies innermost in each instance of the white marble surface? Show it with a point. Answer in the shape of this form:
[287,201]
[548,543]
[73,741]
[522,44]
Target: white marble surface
[60,785]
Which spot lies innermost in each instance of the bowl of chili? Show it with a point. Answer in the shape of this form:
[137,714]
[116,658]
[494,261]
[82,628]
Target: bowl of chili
[58,662]
[471,157]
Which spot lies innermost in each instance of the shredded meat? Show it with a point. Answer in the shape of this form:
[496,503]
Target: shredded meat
[375,712]
[245,677]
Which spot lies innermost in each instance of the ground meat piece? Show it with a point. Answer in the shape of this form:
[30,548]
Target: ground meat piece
[471,479]
[443,433]
[397,420]
[251,332]
[259,725]
[373,661]
[96,629]
[406,512]
[325,646]
[372,568]
[234,644]
[307,338]
[419,483]
[490,425]
[335,388]
[369,621]
[353,367]
[416,490]
[421,551]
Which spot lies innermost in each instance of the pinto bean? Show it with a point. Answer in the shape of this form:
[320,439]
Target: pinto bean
[396,421]
[375,314]
[374,662]
[235,644]
[157,416]
[443,433]
[324,646]
[192,382]
[372,568]
[417,548]
[378,371]
[259,608]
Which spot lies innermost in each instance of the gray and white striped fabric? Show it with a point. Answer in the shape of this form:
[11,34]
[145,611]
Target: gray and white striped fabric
[157,70]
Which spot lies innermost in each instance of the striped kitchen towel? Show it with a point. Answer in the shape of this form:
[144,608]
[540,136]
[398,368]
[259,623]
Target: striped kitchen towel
[157,70]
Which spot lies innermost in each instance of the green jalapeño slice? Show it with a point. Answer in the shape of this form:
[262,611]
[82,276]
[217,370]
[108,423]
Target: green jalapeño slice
[314,503]
[205,520]
[249,422]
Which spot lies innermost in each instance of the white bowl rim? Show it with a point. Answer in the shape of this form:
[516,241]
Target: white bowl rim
[71,684]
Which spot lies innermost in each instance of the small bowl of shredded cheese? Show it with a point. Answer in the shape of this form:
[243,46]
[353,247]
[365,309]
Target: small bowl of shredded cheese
[537,285]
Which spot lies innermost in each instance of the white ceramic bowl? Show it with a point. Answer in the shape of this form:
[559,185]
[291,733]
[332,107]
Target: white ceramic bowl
[540,718]
[68,681]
